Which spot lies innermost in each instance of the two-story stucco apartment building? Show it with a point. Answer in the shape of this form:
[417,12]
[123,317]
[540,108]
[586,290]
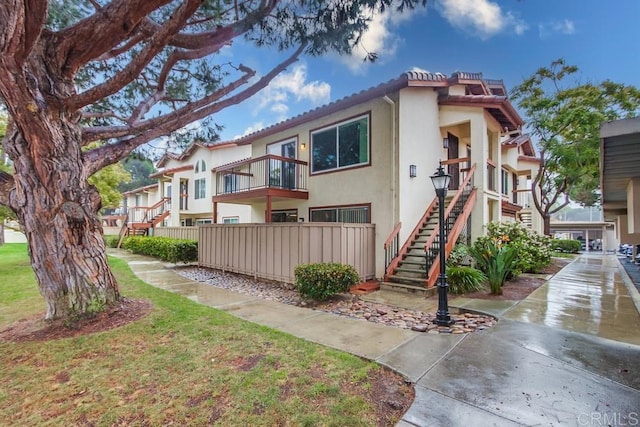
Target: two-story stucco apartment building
[367,158]
[182,195]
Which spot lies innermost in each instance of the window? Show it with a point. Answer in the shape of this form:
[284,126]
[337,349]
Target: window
[201,188]
[353,214]
[341,146]
[201,166]
[231,220]
[231,184]
[290,215]
[505,181]
[204,221]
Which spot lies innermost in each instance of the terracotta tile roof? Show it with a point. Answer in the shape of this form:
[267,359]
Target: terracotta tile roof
[509,118]
[524,141]
[150,187]
[171,171]
[191,148]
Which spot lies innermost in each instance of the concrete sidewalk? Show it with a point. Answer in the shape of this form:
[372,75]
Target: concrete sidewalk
[529,369]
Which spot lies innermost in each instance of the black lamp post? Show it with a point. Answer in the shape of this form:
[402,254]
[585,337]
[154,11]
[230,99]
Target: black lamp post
[441,182]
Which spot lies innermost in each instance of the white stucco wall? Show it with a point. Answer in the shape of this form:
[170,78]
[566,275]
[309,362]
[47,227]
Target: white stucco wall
[420,144]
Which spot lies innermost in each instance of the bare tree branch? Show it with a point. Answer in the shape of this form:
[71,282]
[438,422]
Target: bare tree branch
[101,32]
[135,67]
[6,184]
[103,156]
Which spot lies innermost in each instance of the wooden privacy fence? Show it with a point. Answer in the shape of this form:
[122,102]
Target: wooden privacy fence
[189,233]
[272,251]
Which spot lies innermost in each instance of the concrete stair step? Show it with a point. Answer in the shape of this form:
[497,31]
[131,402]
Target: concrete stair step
[411,270]
[408,288]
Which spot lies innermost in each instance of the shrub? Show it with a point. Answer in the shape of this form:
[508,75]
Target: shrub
[464,279]
[165,248]
[496,258]
[111,241]
[565,245]
[533,250]
[323,280]
[459,256]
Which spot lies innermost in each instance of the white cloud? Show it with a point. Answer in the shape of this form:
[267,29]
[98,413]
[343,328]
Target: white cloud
[251,129]
[276,97]
[415,69]
[565,26]
[379,38]
[483,18]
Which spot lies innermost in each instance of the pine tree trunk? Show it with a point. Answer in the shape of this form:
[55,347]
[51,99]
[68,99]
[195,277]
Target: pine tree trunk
[55,204]
[64,233]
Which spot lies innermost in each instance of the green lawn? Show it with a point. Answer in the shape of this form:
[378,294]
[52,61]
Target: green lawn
[184,364]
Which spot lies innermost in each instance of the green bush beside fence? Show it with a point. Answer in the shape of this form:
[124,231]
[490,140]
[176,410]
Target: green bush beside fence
[322,280]
[164,248]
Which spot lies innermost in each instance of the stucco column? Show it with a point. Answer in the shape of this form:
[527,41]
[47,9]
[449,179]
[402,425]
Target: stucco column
[479,154]
[174,219]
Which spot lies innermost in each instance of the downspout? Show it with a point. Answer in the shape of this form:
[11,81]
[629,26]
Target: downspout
[394,155]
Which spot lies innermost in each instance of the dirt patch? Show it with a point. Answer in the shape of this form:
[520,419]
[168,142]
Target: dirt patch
[36,329]
[522,286]
[391,398]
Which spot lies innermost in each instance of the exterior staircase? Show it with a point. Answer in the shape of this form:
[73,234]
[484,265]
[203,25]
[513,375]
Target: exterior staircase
[141,218]
[415,266]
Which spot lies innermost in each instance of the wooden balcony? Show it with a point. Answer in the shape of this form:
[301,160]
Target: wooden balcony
[271,177]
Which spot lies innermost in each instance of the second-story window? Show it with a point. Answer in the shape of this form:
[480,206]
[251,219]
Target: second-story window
[201,188]
[200,183]
[340,146]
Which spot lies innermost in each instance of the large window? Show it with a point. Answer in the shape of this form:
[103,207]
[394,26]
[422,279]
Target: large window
[201,188]
[230,220]
[231,183]
[353,214]
[340,146]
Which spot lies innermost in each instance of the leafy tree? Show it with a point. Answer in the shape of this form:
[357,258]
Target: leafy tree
[139,167]
[127,72]
[565,118]
[107,180]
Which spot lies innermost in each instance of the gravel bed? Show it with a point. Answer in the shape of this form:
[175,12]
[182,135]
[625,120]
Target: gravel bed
[349,305]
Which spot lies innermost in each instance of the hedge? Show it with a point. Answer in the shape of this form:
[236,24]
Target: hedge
[565,245]
[165,248]
[322,280]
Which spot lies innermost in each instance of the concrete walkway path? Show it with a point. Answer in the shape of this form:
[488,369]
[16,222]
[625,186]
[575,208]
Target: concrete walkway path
[535,367]
[12,236]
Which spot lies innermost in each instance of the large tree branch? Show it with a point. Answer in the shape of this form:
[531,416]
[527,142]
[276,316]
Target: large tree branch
[21,23]
[101,32]
[6,184]
[135,67]
[109,132]
[219,36]
[103,156]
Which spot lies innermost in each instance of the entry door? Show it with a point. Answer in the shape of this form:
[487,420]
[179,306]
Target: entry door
[282,173]
[453,169]
[184,195]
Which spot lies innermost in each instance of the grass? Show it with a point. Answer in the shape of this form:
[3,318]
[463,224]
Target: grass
[184,364]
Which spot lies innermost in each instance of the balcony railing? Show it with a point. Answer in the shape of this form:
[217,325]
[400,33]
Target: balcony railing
[264,172]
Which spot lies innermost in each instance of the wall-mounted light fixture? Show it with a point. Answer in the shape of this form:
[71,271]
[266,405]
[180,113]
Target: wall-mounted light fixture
[303,146]
[413,171]
[445,143]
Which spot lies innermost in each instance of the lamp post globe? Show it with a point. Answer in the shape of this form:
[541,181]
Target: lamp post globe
[441,183]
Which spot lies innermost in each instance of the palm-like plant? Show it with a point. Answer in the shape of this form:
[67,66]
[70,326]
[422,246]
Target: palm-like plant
[496,259]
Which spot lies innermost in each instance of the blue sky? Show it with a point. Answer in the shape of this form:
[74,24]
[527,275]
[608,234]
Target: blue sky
[503,39]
